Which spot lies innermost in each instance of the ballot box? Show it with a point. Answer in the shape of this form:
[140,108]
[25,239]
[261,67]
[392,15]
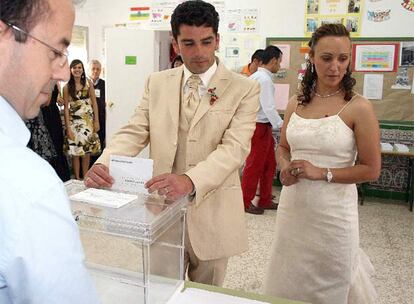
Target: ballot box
[134,251]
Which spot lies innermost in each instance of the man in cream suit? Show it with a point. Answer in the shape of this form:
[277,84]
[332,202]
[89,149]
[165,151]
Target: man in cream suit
[198,119]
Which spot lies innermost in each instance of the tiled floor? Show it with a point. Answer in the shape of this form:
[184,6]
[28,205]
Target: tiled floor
[386,235]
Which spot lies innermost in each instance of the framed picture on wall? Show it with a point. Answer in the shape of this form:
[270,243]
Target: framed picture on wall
[375,57]
[407,53]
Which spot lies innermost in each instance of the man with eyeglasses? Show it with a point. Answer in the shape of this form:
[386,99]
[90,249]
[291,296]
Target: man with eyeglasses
[41,257]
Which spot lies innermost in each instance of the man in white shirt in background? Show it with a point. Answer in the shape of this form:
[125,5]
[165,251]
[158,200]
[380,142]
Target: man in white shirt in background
[41,257]
[261,162]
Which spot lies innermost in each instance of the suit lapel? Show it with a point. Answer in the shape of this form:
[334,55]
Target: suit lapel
[174,94]
[220,81]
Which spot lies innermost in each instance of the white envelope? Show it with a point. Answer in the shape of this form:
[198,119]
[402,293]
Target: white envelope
[130,173]
[386,147]
[401,148]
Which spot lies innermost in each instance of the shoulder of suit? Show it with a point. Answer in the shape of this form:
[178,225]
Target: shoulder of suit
[245,81]
[165,73]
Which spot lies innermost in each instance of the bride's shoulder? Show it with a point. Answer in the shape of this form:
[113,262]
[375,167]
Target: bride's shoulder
[360,103]
[360,108]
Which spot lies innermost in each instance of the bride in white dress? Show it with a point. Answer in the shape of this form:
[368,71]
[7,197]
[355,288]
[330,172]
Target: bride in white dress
[315,256]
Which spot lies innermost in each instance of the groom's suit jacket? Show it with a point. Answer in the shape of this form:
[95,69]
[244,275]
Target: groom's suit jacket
[211,151]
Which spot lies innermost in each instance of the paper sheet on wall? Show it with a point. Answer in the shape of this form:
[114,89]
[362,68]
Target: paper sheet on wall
[219,5]
[328,7]
[236,49]
[130,173]
[373,84]
[374,58]
[161,12]
[281,95]
[285,48]
[242,20]
[199,296]
[412,87]
[319,12]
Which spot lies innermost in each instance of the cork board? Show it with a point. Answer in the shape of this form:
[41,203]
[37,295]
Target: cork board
[396,105]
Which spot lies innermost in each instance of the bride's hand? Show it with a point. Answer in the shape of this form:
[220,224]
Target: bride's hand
[304,169]
[286,178]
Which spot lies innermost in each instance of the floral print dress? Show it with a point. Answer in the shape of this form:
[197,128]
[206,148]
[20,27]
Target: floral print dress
[86,140]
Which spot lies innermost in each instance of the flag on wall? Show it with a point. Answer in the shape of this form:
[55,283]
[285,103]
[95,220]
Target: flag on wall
[139,13]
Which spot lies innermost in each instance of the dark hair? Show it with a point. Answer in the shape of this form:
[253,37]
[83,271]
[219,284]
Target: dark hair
[24,14]
[177,58]
[269,53]
[257,55]
[309,80]
[71,83]
[194,12]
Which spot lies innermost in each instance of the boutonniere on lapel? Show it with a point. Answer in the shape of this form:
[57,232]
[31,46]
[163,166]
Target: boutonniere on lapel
[213,95]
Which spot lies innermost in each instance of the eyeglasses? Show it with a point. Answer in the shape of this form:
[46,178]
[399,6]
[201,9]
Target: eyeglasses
[59,56]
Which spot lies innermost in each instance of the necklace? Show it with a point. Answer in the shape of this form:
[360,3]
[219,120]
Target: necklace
[328,95]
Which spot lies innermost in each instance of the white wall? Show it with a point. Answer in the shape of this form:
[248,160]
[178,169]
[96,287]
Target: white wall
[278,18]
[100,14]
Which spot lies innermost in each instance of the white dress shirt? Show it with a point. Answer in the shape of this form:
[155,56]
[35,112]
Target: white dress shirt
[41,257]
[267,111]
[205,79]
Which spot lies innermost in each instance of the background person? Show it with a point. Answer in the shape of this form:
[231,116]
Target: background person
[178,61]
[81,118]
[40,140]
[261,163]
[53,122]
[95,69]
[255,62]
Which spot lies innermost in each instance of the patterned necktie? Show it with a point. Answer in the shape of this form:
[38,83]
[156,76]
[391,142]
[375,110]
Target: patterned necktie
[192,97]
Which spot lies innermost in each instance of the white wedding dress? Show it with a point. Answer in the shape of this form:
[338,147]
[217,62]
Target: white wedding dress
[315,255]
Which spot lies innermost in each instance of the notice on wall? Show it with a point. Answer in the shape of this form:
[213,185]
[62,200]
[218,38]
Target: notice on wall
[242,20]
[407,53]
[161,12]
[375,57]
[346,12]
[402,79]
[237,49]
[130,60]
[285,48]
[373,85]
[379,15]
[220,6]
[412,87]
[281,95]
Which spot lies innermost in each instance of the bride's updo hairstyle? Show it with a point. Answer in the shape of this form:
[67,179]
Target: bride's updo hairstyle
[309,80]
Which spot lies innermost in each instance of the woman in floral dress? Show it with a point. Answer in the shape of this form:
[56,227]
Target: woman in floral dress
[81,118]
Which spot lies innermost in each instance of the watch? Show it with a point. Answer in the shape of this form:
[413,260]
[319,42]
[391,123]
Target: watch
[328,175]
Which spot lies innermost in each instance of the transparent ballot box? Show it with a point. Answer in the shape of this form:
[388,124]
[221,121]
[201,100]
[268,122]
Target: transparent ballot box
[134,253]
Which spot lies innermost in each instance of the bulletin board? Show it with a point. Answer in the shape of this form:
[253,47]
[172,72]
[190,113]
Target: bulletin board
[395,105]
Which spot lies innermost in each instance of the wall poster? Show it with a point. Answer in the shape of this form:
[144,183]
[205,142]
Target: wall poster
[242,20]
[375,57]
[346,12]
